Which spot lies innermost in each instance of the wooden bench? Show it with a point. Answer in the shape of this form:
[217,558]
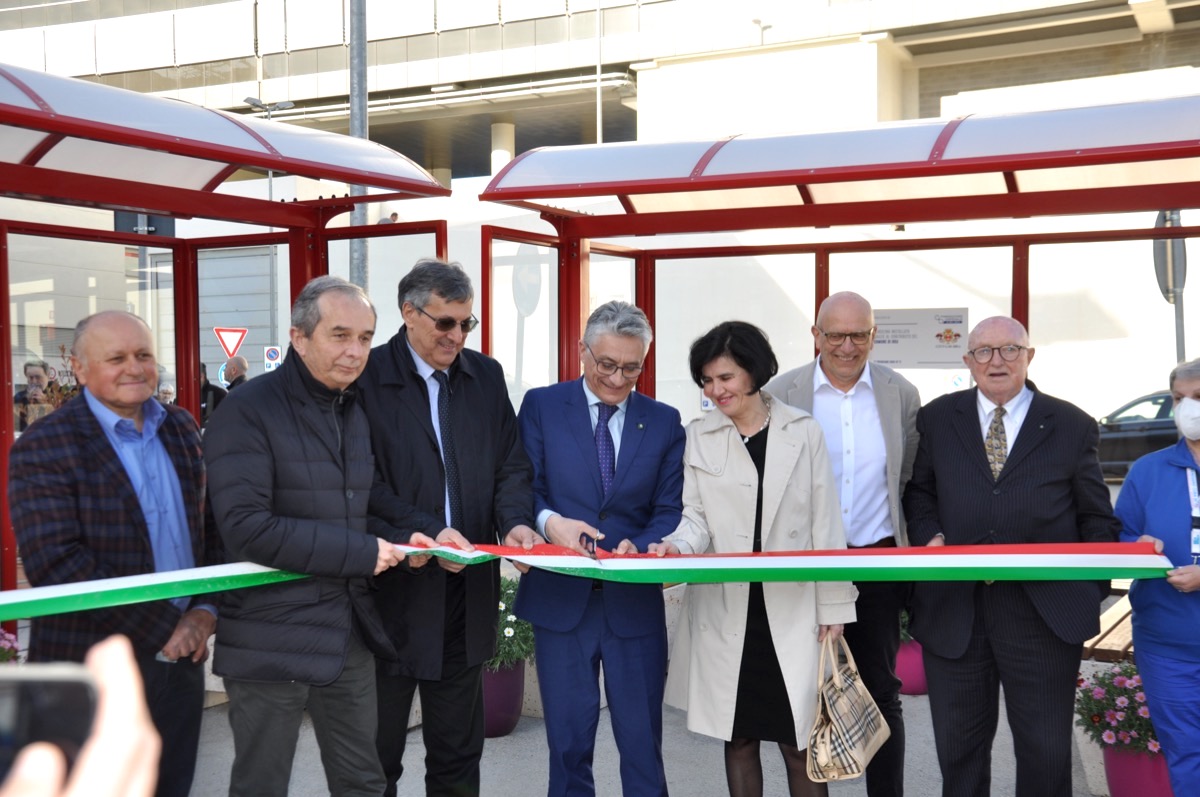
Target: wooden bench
[1115,640]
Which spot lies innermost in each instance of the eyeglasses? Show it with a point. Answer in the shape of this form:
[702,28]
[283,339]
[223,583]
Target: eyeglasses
[857,338]
[446,323]
[1007,353]
[608,367]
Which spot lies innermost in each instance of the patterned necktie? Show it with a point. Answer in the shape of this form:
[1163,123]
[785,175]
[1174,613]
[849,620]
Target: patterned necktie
[449,455]
[996,444]
[604,447]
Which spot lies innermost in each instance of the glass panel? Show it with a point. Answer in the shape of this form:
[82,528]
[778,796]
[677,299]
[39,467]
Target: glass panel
[388,260]
[524,315]
[54,284]
[610,278]
[774,292]
[243,288]
[1099,304]
[977,279]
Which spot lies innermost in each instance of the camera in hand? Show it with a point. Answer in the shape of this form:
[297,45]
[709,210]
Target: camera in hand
[53,703]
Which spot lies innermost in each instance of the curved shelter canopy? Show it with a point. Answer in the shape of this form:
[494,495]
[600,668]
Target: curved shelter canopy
[1136,156]
[67,140]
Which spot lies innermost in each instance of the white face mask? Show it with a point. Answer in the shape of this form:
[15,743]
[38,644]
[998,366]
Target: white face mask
[1187,418]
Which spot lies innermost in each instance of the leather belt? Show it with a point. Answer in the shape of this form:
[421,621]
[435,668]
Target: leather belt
[886,542]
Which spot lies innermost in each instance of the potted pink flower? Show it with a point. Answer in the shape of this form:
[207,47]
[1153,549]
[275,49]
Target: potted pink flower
[10,649]
[1111,708]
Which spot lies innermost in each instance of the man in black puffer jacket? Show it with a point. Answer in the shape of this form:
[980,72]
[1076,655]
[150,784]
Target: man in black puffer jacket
[290,476]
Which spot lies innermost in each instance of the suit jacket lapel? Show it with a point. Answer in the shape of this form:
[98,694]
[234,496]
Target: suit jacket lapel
[100,455]
[411,396]
[577,418]
[783,452]
[1037,425]
[966,425]
[887,401]
[632,435]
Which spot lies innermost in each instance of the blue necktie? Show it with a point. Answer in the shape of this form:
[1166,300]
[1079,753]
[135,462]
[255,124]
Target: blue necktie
[604,447]
[449,456]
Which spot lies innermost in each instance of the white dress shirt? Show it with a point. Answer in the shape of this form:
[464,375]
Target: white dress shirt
[854,438]
[1014,415]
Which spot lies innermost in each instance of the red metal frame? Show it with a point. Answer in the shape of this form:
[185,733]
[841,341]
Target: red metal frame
[573,290]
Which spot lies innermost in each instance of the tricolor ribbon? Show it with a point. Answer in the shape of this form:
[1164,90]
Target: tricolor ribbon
[1067,562]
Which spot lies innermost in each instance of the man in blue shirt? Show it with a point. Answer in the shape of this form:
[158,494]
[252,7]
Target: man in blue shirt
[113,485]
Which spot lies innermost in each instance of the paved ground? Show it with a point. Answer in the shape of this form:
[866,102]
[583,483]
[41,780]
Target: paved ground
[515,766]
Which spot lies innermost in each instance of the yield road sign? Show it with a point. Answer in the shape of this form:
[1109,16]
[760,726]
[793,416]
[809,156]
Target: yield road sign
[230,338]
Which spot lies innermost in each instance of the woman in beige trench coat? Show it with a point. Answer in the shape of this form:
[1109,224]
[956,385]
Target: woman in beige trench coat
[744,662]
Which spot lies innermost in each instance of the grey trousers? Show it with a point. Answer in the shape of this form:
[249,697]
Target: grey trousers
[266,717]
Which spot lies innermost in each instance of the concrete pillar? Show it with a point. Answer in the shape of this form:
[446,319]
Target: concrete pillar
[504,141]
[438,155]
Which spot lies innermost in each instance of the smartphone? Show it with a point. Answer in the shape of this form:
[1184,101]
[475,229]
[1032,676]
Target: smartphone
[53,703]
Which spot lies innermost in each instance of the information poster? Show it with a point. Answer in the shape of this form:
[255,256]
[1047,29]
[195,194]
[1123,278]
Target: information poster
[922,338]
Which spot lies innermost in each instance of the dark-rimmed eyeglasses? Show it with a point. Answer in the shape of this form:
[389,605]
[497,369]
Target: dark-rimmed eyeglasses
[1007,353]
[447,323]
[608,367]
[857,338]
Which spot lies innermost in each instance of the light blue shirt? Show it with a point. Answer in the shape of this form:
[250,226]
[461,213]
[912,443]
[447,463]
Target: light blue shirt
[435,390]
[155,483]
[616,425]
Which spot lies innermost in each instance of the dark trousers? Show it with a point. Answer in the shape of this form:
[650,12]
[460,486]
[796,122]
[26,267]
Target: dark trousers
[569,677]
[1012,648]
[175,695]
[874,638]
[451,725]
[265,719]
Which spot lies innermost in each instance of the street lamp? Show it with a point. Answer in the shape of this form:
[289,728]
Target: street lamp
[272,257]
[255,102]
[762,29]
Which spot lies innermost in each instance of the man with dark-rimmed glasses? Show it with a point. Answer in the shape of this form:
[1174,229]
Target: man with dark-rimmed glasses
[445,440]
[868,414]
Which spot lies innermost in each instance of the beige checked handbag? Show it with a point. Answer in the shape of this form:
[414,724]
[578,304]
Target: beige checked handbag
[849,728]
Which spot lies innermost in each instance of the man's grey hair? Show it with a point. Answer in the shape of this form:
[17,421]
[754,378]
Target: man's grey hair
[82,327]
[618,318]
[430,276]
[306,312]
[1188,370]
[45,366]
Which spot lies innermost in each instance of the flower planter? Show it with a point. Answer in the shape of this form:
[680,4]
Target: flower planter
[910,669]
[1136,774]
[503,694]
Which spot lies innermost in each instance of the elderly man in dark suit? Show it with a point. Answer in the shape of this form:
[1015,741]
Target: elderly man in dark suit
[113,485]
[445,441]
[1005,463]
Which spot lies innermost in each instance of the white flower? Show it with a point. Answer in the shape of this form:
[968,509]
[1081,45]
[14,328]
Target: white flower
[508,632]
[512,618]
[502,606]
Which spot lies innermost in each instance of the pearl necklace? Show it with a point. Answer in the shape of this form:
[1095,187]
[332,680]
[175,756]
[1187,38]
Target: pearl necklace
[766,422]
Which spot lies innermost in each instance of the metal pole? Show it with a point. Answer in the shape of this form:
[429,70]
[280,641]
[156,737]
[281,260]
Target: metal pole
[599,66]
[1172,220]
[358,129]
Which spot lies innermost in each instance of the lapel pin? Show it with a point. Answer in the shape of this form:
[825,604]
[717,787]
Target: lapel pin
[641,426]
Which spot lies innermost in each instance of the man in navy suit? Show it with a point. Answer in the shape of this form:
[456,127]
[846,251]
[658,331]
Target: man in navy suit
[608,472]
[1004,463]
[112,484]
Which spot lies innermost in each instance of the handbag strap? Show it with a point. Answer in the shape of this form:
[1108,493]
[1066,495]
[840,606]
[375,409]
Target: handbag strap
[828,654]
[849,656]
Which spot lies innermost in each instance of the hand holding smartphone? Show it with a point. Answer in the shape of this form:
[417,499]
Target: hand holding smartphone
[118,758]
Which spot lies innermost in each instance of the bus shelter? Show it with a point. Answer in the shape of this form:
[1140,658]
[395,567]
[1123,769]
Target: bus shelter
[71,144]
[1142,156]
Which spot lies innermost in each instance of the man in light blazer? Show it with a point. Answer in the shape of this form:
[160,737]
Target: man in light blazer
[635,500]
[1005,463]
[868,413]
